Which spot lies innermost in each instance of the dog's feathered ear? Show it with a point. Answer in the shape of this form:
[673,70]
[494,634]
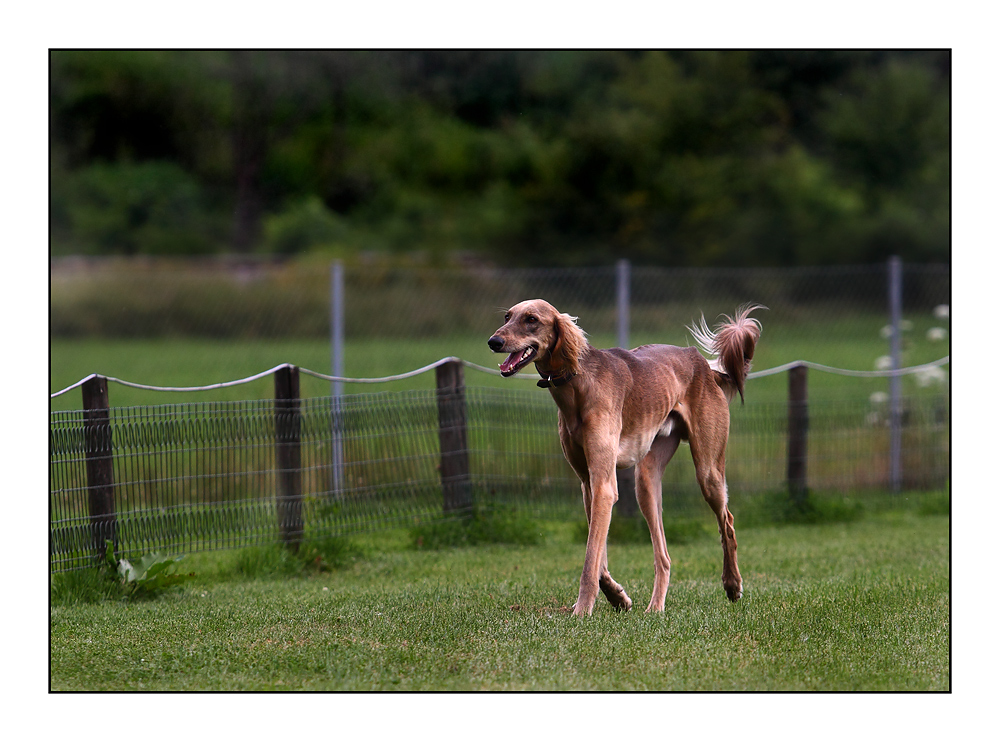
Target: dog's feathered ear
[571,342]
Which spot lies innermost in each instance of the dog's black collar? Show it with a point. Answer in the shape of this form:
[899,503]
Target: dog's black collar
[554,380]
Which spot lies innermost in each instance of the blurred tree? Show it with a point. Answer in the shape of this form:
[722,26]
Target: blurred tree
[526,157]
[274,97]
[888,133]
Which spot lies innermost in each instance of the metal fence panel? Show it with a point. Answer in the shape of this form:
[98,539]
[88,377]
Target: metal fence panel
[197,476]
[200,476]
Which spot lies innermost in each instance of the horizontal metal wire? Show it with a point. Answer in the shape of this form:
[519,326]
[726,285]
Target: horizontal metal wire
[847,372]
[263,374]
[468,364]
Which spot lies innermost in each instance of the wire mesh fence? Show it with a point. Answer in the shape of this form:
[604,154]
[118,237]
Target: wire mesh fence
[200,476]
[190,477]
[211,475]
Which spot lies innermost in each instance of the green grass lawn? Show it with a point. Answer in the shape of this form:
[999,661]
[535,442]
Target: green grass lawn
[852,606]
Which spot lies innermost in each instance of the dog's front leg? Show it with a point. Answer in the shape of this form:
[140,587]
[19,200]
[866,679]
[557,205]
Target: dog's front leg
[603,495]
[603,498]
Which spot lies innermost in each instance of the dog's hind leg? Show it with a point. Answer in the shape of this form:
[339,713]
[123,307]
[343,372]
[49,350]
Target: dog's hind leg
[713,486]
[649,492]
[708,450]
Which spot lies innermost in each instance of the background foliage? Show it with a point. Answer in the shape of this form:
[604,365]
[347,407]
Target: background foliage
[528,157]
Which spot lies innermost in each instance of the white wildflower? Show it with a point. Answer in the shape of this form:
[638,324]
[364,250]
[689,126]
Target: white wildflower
[878,398]
[942,311]
[883,363]
[936,334]
[929,376]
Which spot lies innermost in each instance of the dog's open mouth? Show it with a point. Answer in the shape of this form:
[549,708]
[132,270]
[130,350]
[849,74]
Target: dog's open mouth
[517,360]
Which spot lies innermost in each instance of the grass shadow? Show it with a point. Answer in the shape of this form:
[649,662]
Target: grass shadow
[635,531]
[496,525]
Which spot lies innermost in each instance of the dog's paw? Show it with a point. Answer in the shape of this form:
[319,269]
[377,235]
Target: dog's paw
[619,599]
[615,594]
[579,610]
[624,606]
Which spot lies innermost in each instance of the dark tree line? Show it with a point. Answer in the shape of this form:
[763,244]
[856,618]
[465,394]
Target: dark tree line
[521,157]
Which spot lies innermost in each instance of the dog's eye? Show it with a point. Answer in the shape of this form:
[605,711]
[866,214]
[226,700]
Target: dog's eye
[531,319]
[506,317]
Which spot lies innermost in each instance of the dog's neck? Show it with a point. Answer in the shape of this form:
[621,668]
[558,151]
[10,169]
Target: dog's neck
[556,377]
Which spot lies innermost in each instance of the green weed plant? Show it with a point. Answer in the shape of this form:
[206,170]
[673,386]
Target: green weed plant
[150,575]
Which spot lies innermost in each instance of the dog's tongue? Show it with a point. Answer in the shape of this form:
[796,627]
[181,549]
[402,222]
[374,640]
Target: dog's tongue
[512,360]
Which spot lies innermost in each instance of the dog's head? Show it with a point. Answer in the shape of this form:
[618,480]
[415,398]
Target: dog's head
[535,331]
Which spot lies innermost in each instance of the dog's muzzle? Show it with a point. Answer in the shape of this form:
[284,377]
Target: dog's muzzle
[517,360]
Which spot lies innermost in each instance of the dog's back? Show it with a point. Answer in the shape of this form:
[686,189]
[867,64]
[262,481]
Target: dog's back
[730,347]
[670,367]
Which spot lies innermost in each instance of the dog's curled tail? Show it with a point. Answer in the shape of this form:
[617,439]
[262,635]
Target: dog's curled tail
[731,345]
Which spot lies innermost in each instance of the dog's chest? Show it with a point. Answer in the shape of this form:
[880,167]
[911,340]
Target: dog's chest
[632,449]
[635,444]
[640,423]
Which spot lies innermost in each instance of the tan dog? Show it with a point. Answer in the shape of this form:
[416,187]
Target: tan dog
[621,408]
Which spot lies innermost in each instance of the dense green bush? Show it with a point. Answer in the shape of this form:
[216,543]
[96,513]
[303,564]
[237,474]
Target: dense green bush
[150,208]
[304,227]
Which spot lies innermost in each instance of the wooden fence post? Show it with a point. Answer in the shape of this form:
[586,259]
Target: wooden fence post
[100,464]
[456,483]
[288,455]
[798,429]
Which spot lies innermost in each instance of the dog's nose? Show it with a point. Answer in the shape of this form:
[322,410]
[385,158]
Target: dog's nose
[495,343]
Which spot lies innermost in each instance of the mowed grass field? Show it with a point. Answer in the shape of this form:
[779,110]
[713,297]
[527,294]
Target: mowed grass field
[853,606]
